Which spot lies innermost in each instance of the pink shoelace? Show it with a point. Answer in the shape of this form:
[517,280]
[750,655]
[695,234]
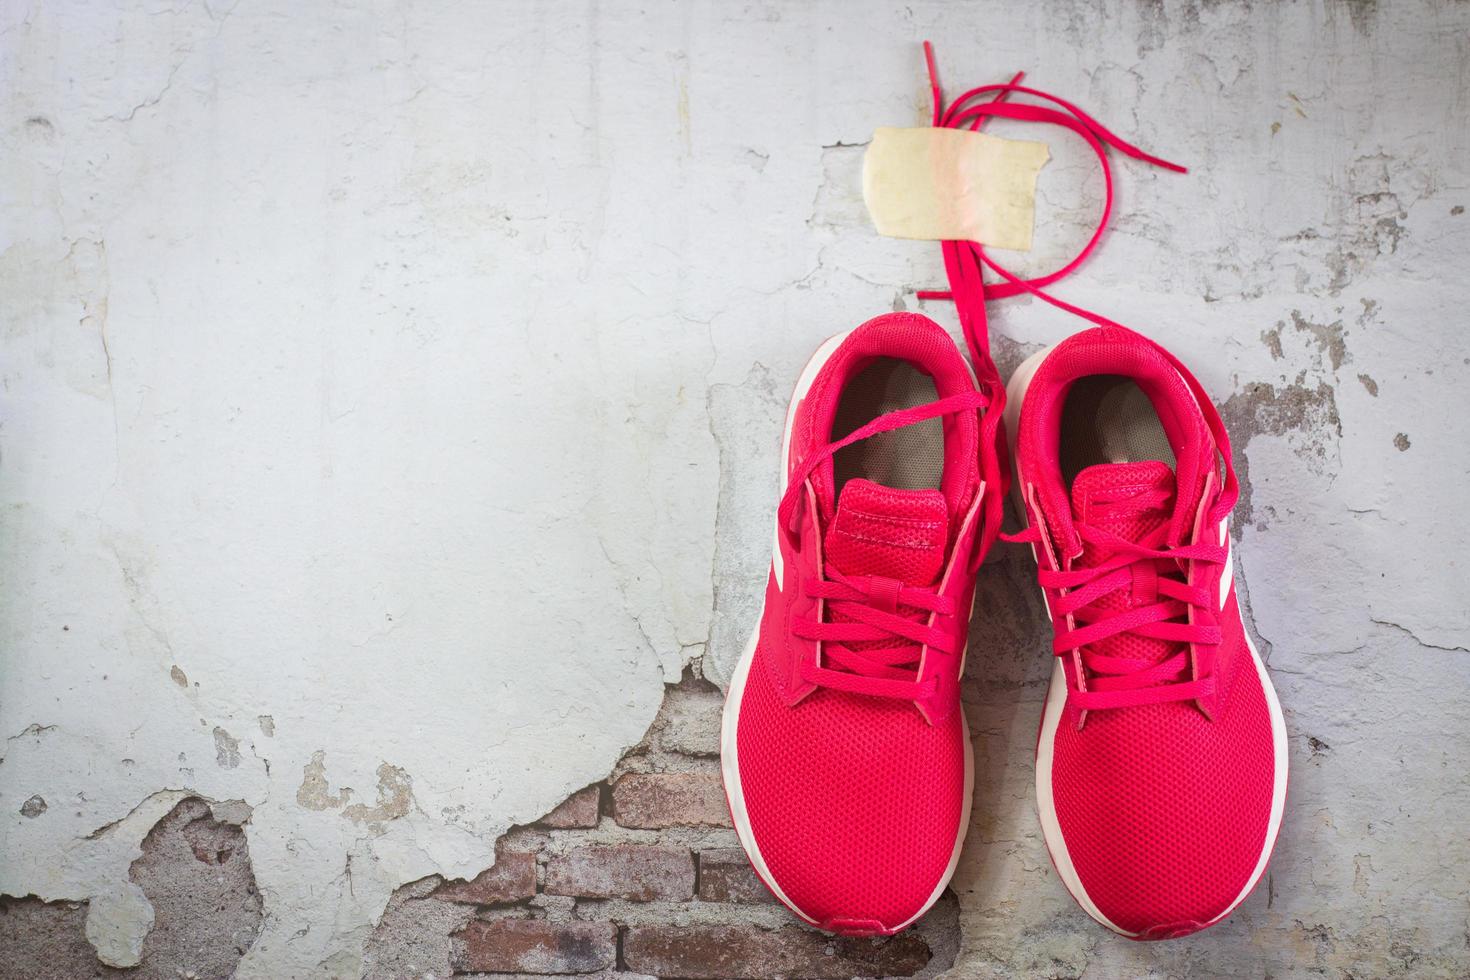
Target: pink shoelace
[1122,565]
[1115,682]
[1120,682]
[965,262]
[880,609]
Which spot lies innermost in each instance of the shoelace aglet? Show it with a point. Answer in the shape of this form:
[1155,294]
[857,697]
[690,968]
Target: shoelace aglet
[933,81]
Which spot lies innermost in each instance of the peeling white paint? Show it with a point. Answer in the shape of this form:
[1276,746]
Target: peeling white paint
[118,921]
[369,372]
[327,400]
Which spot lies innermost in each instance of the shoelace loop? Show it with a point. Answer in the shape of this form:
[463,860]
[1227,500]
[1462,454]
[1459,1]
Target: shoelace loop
[965,260]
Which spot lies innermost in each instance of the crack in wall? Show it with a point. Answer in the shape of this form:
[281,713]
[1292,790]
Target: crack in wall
[1419,640]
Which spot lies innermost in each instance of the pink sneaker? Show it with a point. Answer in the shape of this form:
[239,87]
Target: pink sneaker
[1161,761]
[845,753]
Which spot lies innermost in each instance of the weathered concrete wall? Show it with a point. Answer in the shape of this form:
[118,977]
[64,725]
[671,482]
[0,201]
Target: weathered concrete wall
[390,394]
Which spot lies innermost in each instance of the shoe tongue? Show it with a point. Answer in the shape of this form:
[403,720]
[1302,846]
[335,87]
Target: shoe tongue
[1112,497]
[900,534]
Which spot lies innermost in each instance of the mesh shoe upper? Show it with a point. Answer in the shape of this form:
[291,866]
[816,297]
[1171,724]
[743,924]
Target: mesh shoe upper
[1160,813]
[852,805]
[1164,811]
[855,802]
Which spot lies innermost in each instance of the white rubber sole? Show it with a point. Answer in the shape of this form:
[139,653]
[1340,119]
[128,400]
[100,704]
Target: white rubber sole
[730,716]
[1056,699]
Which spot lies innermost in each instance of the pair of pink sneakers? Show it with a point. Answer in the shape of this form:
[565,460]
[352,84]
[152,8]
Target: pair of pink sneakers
[1161,757]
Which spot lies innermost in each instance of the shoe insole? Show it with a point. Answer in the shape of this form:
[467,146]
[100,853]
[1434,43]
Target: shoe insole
[1109,419]
[908,458]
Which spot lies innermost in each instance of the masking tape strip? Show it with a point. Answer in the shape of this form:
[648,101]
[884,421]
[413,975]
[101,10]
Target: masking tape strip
[941,184]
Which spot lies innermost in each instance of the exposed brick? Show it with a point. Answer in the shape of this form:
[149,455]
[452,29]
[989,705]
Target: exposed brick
[750,953]
[511,878]
[682,799]
[535,946]
[578,810]
[631,871]
[725,875]
[693,722]
[599,975]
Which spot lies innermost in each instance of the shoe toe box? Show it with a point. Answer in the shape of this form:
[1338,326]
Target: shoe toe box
[1163,814]
[854,807]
